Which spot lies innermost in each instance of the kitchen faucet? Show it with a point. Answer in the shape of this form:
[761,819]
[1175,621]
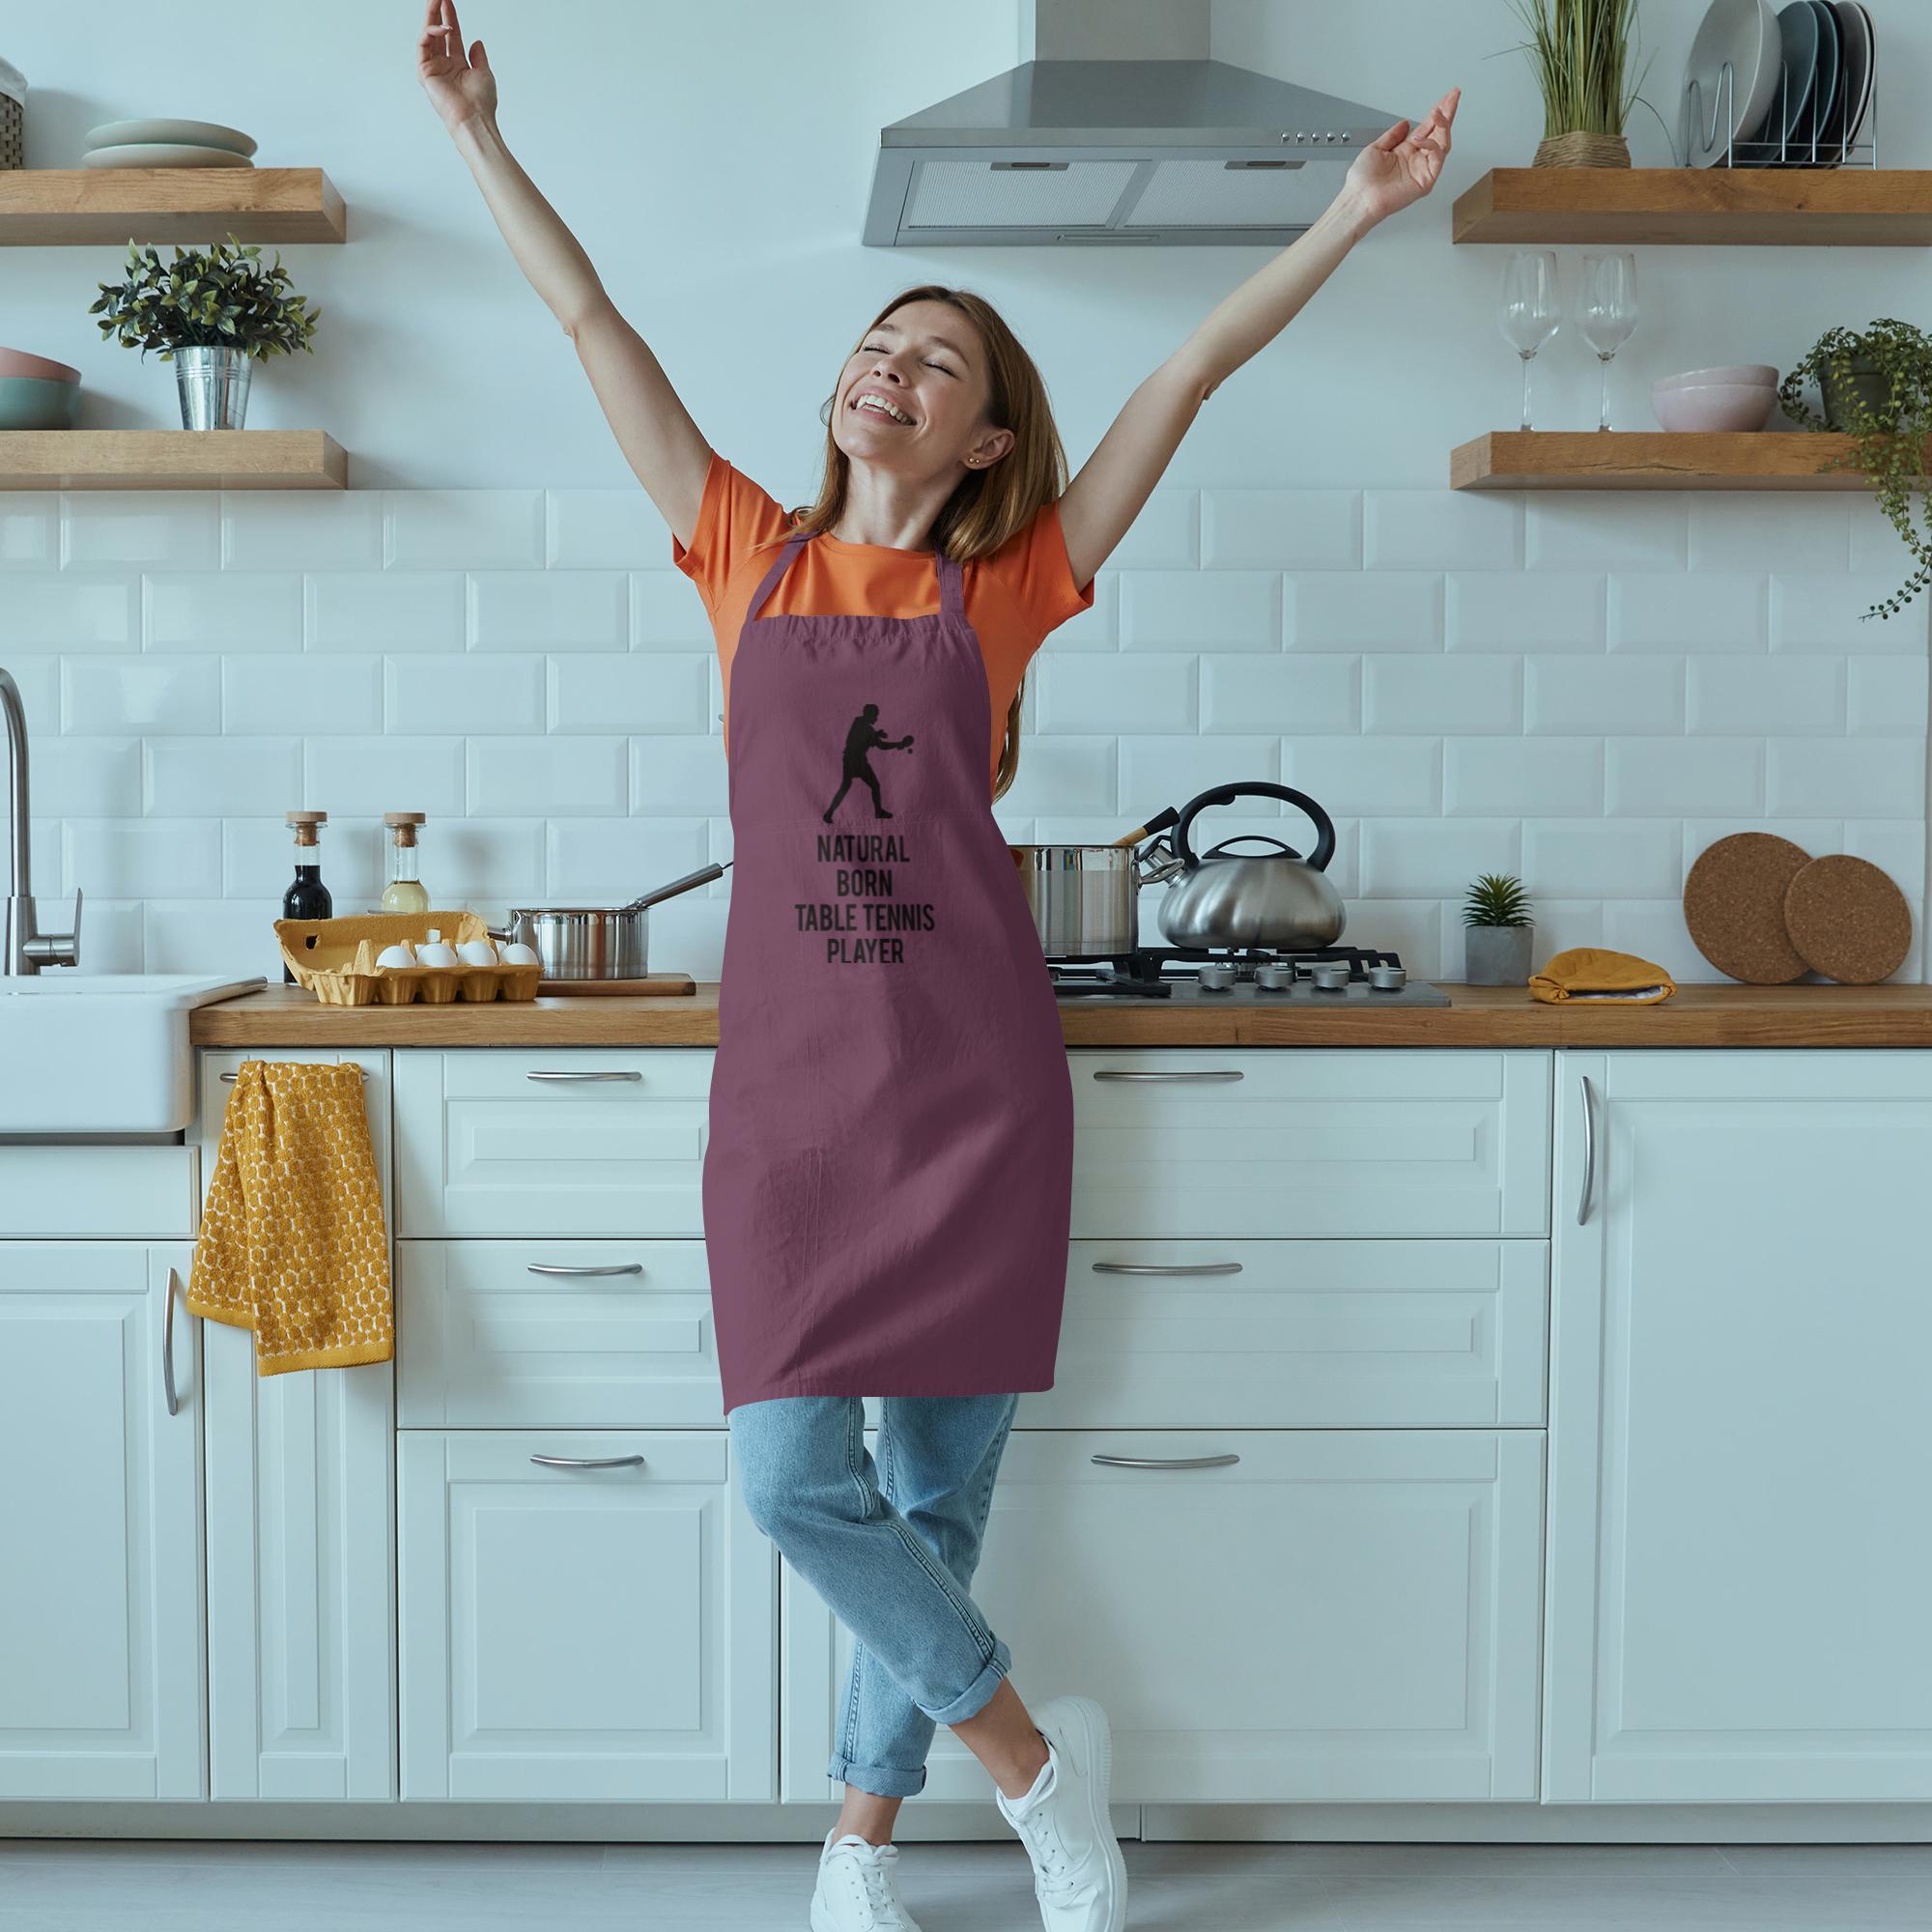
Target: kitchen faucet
[23,950]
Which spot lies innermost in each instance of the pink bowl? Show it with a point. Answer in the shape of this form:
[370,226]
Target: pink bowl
[18,362]
[1754,375]
[1705,407]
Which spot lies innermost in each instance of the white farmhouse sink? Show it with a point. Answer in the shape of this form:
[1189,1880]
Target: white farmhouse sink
[101,1052]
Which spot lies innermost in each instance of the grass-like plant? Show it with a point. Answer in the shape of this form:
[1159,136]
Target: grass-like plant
[1581,51]
[1497,899]
[220,298]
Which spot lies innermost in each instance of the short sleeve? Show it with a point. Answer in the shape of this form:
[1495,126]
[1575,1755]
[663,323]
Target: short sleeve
[733,514]
[1034,569]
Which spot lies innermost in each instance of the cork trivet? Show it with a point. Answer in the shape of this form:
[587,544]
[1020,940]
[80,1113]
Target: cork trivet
[1734,905]
[1848,920]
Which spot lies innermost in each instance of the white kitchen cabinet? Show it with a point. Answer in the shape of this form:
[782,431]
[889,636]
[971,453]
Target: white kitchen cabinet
[1310,1142]
[101,1687]
[52,1190]
[1740,1429]
[584,1633]
[1335,1615]
[575,1141]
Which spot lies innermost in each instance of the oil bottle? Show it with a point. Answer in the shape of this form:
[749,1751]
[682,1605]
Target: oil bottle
[308,897]
[405,891]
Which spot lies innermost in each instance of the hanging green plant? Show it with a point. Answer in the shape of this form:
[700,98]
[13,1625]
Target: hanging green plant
[220,298]
[1875,386]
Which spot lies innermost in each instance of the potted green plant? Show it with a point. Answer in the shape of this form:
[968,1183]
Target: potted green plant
[1581,51]
[1497,932]
[212,313]
[1875,386]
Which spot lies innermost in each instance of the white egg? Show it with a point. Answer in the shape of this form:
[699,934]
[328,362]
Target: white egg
[395,955]
[434,953]
[477,952]
[515,953]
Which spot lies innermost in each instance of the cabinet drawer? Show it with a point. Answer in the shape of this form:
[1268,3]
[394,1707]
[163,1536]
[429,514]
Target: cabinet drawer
[1277,1142]
[554,1334]
[1299,1334]
[581,1141]
[50,1192]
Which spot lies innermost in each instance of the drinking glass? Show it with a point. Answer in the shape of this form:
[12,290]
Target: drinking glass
[1527,312]
[1609,312]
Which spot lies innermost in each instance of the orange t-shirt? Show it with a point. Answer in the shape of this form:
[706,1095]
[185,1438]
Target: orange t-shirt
[1014,595]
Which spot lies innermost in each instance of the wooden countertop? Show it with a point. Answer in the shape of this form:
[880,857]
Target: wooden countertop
[1715,1013]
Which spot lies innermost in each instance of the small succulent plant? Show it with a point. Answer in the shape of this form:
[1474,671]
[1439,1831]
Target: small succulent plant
[1496,900]
[217,298]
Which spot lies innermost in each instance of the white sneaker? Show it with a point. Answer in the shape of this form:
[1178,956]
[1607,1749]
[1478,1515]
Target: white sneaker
[1078,1874]
[858,1889]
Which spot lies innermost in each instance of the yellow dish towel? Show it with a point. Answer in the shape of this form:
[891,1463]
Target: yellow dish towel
[1596,972]
[292,1242]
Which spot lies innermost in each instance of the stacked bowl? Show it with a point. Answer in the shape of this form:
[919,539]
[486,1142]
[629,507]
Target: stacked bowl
[1740,396]
[167,144]
[36,393]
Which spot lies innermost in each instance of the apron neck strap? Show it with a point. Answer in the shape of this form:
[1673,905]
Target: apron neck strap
[779,564]
[951,579]
[951,593]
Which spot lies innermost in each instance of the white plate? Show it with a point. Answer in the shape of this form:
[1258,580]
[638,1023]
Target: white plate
[195,133]
[1746,33]
[163,155]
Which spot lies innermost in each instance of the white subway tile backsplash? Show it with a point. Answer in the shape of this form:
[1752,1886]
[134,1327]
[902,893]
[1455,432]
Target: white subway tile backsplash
[1804,531]
[261,697]
[1853,778]
[1511,611]
[1895,845]
[436,696]
[1603,694]
[302,529]
[603,529]
[1442,530]
[1815,835]
[39,682]
[1164,535]
[1447,694]
[179,530]
[1828,613]
[615,859]
[1200,611]
[1280,529]
[1754,697]
[654,691]
[493,859]
[1388,610]
[1296,691]
[1495,776]
[464,530]
[362,611]
[1605,530]
[674,776]
[1415,929]
[1063,775]
[1155,772]
[136,695]
[1654,929]
[30,529]
[136,858]
[373,776]
[223,610]
[549,610]
[77,611]
[1088,693]
[213,936]
[509,777]
[1652,777]
[667,614]
[1886,696]
[1699,612]
[1876,549]
[1367,778]
[86,777]
[1419,858]
[258,855]
[205,778]
[1585,859]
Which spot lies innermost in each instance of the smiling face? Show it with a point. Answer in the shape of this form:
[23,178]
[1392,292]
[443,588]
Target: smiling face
[926,361]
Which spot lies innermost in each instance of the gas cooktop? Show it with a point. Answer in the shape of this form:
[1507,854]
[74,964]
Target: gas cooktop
[1316,975]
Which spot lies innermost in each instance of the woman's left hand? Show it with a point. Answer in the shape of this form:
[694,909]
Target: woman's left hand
[1404,165]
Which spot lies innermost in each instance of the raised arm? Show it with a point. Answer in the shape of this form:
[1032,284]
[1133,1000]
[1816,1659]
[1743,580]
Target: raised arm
[652,426]
[1112,484]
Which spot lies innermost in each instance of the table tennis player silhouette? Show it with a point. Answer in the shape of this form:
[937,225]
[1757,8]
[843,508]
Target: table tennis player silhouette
[863,737]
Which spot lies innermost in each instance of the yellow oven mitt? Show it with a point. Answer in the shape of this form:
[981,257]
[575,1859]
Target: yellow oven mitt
[1596,972]
[293,1243]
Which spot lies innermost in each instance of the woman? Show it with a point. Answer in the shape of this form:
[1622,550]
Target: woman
[887,1174]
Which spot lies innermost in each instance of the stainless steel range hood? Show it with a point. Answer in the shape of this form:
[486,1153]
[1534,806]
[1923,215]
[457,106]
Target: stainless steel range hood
[1081,145]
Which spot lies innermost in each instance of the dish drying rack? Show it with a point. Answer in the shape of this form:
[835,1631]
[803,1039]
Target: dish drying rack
[1763,153]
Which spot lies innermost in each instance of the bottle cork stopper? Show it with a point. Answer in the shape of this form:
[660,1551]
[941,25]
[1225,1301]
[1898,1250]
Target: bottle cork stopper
[307,825]
[403,824]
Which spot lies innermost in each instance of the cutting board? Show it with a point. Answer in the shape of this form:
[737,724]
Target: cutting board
[651,982]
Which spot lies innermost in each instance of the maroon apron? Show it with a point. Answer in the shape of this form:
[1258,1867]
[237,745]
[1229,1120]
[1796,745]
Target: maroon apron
[889,1161]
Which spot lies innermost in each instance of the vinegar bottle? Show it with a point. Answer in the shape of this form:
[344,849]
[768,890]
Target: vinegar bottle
[405,891]
[308,897]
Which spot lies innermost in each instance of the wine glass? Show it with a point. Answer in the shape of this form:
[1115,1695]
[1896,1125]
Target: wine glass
[1609,312]
[1527,312]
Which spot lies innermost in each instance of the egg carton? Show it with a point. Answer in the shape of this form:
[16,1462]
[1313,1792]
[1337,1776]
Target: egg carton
[335,961]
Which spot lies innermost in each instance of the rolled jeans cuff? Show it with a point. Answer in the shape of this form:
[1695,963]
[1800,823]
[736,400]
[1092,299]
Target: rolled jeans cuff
[883,1780]
[977,1693]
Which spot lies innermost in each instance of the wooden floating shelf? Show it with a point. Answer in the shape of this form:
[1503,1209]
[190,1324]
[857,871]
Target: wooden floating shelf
[51,207]
[1539,459]
[1856,207]
[171,459]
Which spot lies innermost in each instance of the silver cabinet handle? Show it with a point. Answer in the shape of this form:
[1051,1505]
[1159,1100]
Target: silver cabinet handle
[1589,1152]
[1167,1462]
[573,1074]
[1180,1073]
[607,1268]
[168,1345]
[591,1462]
[357,1065]
[1167,1268]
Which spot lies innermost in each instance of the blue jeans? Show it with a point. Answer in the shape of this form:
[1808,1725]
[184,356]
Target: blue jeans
[891,1547]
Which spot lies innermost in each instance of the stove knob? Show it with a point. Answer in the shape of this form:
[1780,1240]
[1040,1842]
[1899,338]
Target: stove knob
[1216,975]
[1387,979]
[1330,976]
[1277,975]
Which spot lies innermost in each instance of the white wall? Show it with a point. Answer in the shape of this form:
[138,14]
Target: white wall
[1585,690]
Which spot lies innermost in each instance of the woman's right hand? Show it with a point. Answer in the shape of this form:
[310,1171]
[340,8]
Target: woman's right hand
[460,89]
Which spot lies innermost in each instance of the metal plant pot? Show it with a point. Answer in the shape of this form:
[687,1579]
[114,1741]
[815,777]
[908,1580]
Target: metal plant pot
[213,387]
[1496,956]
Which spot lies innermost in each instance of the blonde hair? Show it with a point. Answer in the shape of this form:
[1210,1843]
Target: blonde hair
[990,505]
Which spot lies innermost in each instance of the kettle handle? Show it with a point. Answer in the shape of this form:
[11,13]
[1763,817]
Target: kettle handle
[1325,826]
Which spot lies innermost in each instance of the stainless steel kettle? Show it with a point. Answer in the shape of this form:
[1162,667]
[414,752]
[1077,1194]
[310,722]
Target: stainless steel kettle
[1232,898]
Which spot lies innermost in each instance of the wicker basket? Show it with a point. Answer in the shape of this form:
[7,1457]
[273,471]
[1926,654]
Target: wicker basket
[13,117]
[335,961]
[1582,150]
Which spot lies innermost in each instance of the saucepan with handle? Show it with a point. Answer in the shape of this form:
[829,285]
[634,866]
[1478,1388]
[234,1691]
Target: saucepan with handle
[595,942]
[1085,899]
